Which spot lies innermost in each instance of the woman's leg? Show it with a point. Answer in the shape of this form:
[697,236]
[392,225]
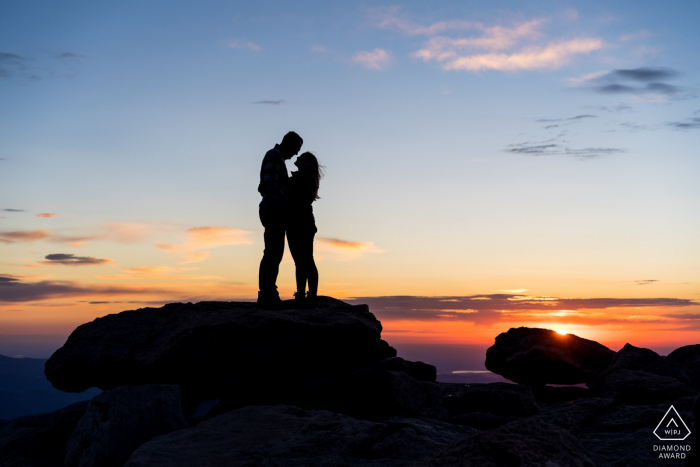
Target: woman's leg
[312,272]
[295,238]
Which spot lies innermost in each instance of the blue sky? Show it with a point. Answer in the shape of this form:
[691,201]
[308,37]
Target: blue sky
[547,148]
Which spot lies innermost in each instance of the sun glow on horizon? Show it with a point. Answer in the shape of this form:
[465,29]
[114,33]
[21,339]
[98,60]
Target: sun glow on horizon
[562,332]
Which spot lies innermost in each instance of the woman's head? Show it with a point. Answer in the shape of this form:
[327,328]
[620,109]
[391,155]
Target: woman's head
[308,163]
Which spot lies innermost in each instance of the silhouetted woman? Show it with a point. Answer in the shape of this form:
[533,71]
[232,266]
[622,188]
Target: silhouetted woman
[301,226]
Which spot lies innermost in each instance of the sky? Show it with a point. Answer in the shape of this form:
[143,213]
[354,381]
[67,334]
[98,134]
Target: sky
[488,165]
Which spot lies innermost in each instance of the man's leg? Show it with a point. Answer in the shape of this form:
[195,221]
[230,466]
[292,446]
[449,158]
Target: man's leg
[272,219]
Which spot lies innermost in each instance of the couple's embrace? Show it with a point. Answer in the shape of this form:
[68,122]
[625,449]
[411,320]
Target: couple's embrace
[286,209]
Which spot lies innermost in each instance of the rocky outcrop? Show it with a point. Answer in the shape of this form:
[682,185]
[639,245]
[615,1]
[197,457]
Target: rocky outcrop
[637,358]
[39,440]
[284,435]
[540,356]
[371,394]
[215,349]
[641,376]
[689,357]
[347,399]
[120,420]
[641,387]
[530,442]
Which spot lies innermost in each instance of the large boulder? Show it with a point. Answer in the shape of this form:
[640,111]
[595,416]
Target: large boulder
[641,376]
[215,348]
[120,420]
[39,440]
[537,357]
[640,359]
[527,442]
[283,435]
[689,357]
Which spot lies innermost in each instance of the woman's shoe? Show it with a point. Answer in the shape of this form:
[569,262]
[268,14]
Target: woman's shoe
[311,300]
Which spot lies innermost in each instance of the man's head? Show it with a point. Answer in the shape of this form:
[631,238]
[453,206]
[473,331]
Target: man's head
[291,145]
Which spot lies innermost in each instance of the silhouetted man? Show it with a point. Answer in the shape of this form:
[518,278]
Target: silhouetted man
[273,177]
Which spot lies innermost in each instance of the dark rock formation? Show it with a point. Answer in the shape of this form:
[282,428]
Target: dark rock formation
[283,435]
[39,440]
[575,415]
[212,349]
[528,442]
[693,457]
[627,448]
[636,358]
[370,394]
[537,357]
[641,387]
[418,370]
[120,420]
[626,418]
[689,357]
[495,398]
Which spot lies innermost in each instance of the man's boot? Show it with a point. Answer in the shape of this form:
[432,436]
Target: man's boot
[269,301]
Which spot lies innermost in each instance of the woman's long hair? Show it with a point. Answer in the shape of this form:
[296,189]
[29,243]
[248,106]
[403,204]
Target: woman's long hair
[316,170]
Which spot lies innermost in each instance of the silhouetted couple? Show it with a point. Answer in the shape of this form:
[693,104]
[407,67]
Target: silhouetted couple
[286,209]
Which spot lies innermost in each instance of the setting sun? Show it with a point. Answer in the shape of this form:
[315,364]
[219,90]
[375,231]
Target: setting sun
[562,332]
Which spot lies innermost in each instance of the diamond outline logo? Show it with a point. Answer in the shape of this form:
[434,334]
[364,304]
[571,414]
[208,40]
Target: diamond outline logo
[673,419]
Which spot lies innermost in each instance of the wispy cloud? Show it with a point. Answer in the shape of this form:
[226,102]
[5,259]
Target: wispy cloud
[553,55]
[72,260]
[47,215]
[643,81]
[692,123]
[377,59]
[346,249]
[278,102]
[23,236]
[556,149]
[646,281]
[200,239]
[46,64]
[161,272]
[122,232]
[13,210]
[521,46]
[244,44]
[13,289]
[490,309]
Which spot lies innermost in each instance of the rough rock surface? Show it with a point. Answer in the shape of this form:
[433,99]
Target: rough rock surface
[537,357]
[637,358]
[496,398]
[283,436]
[527,442]
[573,416]
[626,449]
[371,394]
[689,357]
[213,348]
[641,387]
[418,370]
[119,420]
[39,440]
